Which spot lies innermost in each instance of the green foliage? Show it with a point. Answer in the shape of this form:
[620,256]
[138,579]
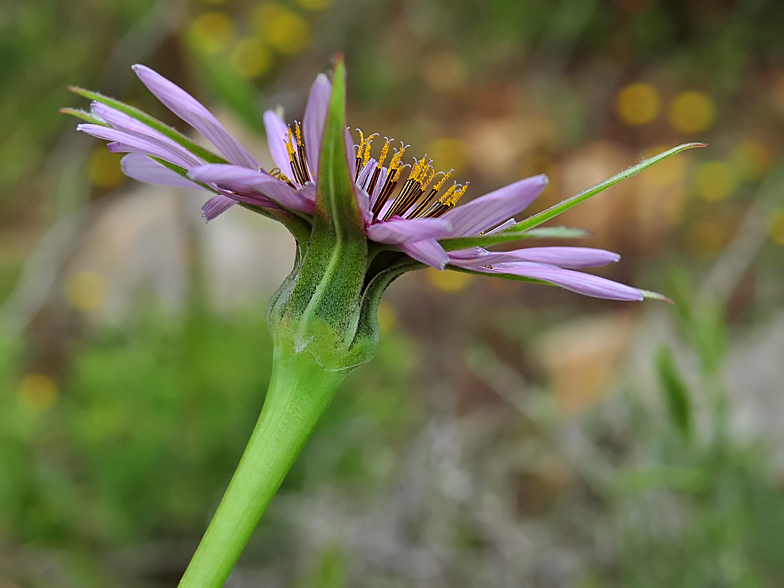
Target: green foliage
[676,393]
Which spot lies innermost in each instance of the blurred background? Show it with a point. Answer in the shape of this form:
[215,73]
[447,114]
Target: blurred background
[506,434]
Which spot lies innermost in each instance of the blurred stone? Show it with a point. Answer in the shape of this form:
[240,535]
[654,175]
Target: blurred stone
[142,246]
[583,356]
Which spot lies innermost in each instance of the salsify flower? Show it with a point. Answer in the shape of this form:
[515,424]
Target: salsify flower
[360,220]
[409,206]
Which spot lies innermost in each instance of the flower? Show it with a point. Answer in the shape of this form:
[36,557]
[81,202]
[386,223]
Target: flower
[417,216]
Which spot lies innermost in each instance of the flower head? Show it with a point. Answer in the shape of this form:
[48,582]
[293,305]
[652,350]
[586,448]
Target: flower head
[409,213]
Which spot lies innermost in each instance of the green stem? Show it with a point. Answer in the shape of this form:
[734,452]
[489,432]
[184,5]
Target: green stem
[299,392]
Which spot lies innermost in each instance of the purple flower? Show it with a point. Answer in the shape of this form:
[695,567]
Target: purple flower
[410,208]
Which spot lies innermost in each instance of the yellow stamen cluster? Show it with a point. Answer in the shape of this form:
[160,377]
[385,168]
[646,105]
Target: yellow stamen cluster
[453,194]
[415,199]
[297,157]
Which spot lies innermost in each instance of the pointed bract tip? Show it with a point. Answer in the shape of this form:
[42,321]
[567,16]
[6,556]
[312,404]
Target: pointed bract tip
[648,295]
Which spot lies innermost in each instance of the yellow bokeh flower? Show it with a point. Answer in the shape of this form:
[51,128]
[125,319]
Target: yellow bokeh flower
[104,168]
[86,290]
[448,281]
[283,30]
[692,112]
[750,161]
[715,180]
[776,226]
[210,33]
[37,392]
[638,104]
[251,57]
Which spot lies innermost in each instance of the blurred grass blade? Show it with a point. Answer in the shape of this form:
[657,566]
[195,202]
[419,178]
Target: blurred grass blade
[151,122]
[676,392]
[507,237]
[565,205]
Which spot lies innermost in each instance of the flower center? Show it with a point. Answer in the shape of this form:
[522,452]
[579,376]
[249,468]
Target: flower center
[413,200]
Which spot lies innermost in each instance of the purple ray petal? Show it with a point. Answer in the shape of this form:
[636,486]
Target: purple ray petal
[315,119]
[568,257]
[485,212]
[308,191]
[123,122]
[131,143]
[216,206]
[195,114]
[571,280]
[237,178]
[363,202]
[428,251]
[364,173]
[142,168]
[276,139]
[399,230]
[351,154]
[502,227]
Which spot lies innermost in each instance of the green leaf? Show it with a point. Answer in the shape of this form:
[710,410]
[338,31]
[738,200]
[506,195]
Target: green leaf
[563,206]
[676,392]
[506,237]
[153,123]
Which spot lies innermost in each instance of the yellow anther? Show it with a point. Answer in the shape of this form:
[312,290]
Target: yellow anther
[366,153]
[298,131]
[446,197]
[419,168]
[361,138]
[395,162]
[383,156]
[458,194]
[443,180]
[428,176]
[290,145]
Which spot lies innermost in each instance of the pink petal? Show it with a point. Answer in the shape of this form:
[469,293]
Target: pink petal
[277,132]
[351,154]
[568,257]
[216,206]
[128,142]
[397,231]
[315,120]
[142,168]
[428,251]
[485,212]
[195,114]
[579,282]
[238,178]
[125,123]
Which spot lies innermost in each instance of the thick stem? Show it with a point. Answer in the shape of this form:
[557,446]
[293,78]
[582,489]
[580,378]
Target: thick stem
[299,392]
